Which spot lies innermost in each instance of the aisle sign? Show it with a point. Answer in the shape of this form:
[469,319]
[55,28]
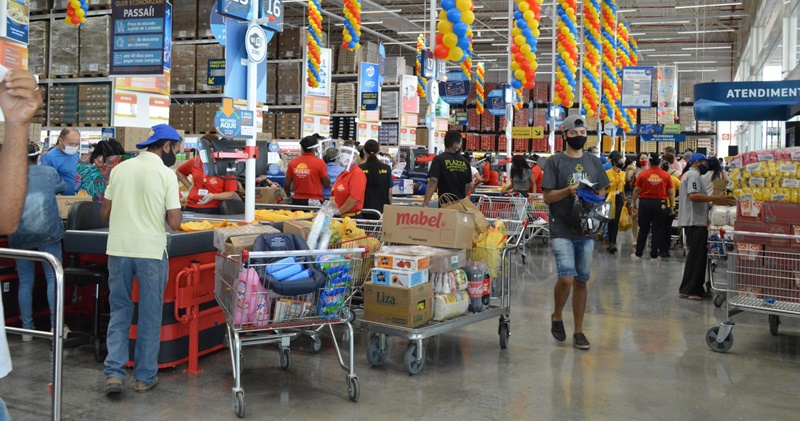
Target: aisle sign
[216,72]
[455,89]
[369,89]
[662,137]
[495,103]
[537,132]
[236,63]
[270,11]
[672,129]
[521,132]
[460,118]
[141,39]
[637,86]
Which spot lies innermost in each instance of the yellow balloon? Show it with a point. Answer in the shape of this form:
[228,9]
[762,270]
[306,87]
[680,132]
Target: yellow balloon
[564,30]
[468,17]
[443,14]
[75,4]
[519,40]
[514,66]
[535,32]
[524,6]
[444,27]
[515,32]
[469,32]
[528,15]
[455,54]
[534,66]
[565,55]
[348,38]
[463,5]
[520,74]
[68,21]
[80,12]
[450,40]
[525,49]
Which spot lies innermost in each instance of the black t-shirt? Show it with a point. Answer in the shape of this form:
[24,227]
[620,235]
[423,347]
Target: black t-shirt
[453,172]
[378,196]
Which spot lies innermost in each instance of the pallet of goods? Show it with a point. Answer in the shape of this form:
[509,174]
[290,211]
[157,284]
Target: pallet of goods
[183,69]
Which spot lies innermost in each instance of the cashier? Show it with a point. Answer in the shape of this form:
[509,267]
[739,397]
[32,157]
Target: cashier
[348,191]
[308,174]
[64,157]
[205,193]
[379,180]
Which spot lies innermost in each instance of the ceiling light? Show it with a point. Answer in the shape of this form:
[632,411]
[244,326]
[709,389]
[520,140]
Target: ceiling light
[400,43]
[698,6]
[654,39]
[696,70]
[377,22]
[646,50]
[480,6]
[713,47]
[372,12]
[491,54]
[637,34]
[626,10]
[659,23]
[499,18]
[421,31]
[670,55]
[695,62]
[482,40]
[706,31]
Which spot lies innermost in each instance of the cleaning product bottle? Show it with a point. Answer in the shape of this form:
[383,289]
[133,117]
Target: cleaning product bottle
[261,307]
[246,295]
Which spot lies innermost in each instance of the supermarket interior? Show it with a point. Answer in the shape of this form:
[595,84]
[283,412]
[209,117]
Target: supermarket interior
[451,209]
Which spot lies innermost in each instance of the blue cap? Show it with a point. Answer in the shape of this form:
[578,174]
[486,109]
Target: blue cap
[158,132]
[697,157]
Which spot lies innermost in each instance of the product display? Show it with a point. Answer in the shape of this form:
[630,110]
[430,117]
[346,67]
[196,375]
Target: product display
[767,176]
[183,73]
[39,48]
[64,46]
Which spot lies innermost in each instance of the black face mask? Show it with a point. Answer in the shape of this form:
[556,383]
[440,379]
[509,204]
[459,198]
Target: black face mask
[621,164]
[576,142]
[168,158]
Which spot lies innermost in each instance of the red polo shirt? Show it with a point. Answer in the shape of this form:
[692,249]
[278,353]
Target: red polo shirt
[654,183]
[213,185]
[349,184]
[306,172]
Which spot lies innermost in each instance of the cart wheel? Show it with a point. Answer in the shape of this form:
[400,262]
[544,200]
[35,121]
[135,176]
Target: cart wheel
[711,340]
[505,335]
[352,388]
[238,403]
[412,365]
[286,358]
[316,344]
[348,314]
[774,321]
[545,240]
[719,299]
[375,356]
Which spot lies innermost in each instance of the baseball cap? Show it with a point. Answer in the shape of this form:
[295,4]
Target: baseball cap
[697,157]
[572,122]
[309,142]
[158,132]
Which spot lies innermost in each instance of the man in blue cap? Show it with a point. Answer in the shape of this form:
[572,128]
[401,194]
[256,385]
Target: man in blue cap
[693,217]
[142,193]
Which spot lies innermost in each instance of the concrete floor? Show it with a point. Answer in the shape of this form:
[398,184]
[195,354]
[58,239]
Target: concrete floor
[648,361]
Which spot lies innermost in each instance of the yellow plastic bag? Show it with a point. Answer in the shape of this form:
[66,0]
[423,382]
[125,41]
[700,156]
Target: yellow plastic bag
[625,222]
[489,247]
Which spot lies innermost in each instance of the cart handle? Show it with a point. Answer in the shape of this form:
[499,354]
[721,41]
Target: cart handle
[761,234]
[299,253]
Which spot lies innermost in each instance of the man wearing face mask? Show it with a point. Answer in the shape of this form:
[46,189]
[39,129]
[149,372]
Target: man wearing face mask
[142,193]
[450,172]
[573,250]
[64,157]
[348,191]
[693,217]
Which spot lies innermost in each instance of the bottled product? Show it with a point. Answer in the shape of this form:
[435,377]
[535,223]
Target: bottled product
[475,287]
[246,295]
[487,283]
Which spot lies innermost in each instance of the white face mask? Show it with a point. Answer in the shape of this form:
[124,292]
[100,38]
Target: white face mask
[347,156]
[597,154]
[71,150]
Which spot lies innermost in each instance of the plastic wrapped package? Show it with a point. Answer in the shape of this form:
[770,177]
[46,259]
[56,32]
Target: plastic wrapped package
[320,225]
[38,48]
[183,63]
[64,46]
[446,306]
[94,52]
[184,21]
[204,18]
[204,54]
[40,6]
[720,215]
[290,86]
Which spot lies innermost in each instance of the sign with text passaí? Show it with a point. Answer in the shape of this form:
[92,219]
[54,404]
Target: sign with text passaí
[270,11]
[141,37]
[368,87]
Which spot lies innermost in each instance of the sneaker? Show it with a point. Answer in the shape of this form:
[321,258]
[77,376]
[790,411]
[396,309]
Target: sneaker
[66,331]
[579,341]
[612,249]
[142,387]
[635,257]
[557,329]
[27,338]
[113,386]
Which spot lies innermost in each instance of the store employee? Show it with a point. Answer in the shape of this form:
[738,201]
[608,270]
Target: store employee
[308,174]
[205,193]
[348,191]
[450,172]
[64,157]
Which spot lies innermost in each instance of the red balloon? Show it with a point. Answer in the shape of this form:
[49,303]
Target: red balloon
[515,49]
[526,65]
[441,51]
[519,57]
[530,74]
[70,12]
[76,20]
[439,38]
[530,84]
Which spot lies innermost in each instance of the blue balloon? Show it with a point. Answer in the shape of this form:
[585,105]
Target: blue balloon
[518,15]
[463,43]
[85,7]
[531,40]
[533,48]
[351,44]
[356,38]
[516,84]
[460,29]
[521,24]
[454,15]
[448,4]
[527,33]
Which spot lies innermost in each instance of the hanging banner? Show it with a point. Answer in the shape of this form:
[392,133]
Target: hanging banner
[662,137]
[667,97]
[368,87]
[455,90]
[271,11]
[381,63]
[410,96]
[236,63]
[495,103]
[637,87]
[324,88]
[141,39]
[746,101]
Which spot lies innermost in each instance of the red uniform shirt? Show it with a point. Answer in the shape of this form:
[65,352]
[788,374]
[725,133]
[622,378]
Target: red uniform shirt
[349,184]
[538,174]
[654,183]
[213,185]
[306,172]
[490,178]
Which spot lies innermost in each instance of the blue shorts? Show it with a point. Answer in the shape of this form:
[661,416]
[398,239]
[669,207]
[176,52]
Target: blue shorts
[573,257]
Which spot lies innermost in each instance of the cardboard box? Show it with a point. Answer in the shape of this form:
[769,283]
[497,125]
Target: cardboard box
[781,212]
[428,227]
[66,202]
[749,210]
[407,307]
[403,187]
[442,260]
[270,195]
[399,277]
[221,235]
[300,227]
[402,262]
[235,244]
[184,22]
[130,136]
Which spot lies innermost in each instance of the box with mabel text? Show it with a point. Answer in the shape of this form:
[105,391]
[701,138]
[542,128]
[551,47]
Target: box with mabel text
[428,227]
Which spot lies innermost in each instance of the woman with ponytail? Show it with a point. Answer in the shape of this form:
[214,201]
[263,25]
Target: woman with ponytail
[379,180]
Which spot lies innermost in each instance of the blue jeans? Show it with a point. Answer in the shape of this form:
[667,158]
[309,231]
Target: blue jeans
[152,277]
[573,257]
[25,270]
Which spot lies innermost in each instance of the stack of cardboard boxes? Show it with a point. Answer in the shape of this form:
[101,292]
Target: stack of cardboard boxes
[346,98]
[290,88]
[94,104]
[63,101]
[38,48]
[183,68]
[291,43]
[287,126]
[64,51]
[203,18]
[272,82]
[268,124]
[204,114]
[94,46]
[184,21]
[181,117]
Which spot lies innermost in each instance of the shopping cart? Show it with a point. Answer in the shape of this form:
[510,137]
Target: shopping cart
[538,216]
[507,208]
[719,245]
[256,315]
[756,280]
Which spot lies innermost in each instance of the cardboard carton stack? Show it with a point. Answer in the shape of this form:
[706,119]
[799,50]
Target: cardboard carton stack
[39,7]
[268,124]
[203,18]
[94,104]
[63,100]
[272,83]
[94,35]
[64,51]
[204,54]
[287,126]
[395,68]
[181,117]
[290,88]
[291,43]
[184,22]
[39,48]
[183,70]
[390,104]
[346,98]
[348,60]
[204,114]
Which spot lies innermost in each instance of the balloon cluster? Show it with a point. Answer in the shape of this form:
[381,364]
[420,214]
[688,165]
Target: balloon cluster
[591,59]
[480,94]
[567,57]
[454,31]
[314,42]
[610,92]
[628,116]
[76,12]
[421,45]
[525,35]
[466,65]
[518,99]
[351,34]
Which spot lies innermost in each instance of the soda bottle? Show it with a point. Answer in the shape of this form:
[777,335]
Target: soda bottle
[487,283]
[475,287]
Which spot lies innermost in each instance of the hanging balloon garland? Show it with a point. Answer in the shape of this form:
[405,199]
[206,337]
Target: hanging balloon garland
[567,48]
[518,99]
[314,42]
[351,34]
[453,38]
[610,93]
[624,60]
[525,35]
[421,46]
[480,95]
[591,59]
[466,65]
[76,12]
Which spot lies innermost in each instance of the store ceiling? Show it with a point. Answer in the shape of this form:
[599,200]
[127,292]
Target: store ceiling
[707,37]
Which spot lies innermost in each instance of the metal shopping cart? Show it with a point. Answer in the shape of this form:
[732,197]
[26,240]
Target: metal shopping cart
[258,315]
[507,208]
[756,280]
[371,240]
[538,214]
[719,246]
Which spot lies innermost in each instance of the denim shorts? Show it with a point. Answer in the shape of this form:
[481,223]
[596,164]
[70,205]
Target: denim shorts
[573,257]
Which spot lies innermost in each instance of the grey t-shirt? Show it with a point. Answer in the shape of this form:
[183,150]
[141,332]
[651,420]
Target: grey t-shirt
[562,171]
[692,214]
[524,183]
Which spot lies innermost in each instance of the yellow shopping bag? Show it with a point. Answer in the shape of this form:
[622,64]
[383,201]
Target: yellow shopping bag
[625,220]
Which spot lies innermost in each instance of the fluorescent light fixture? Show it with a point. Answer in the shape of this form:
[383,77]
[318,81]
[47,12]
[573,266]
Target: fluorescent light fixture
[474,41]
[654,39]
[706,31]
[498,18]
[480,6]
[491,54]
[740,15]
[417,32]
[710,47]
[646,50]
[670,55]
[377,22]
[637,34]
[401,43]
[695,62]
[373,12]
[699,6]
[696,70]
[676,22]
[626,10]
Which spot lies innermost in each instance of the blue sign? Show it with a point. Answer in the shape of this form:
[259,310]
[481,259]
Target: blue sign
[216,72]
[17,23]
[369,88]
[236,63]
[141,38]
[495,103]
[746,101]
[271,11]
[228,120]
[381,63]
[662,137]
[455,90]
[428,64]
[217,23]
[461,118]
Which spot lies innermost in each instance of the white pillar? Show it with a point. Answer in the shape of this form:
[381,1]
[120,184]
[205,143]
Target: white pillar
[789,45]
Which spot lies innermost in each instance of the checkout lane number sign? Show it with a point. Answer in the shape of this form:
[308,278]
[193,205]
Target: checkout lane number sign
[256,44]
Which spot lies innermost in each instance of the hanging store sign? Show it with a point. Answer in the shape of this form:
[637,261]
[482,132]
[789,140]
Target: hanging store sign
[141,42]
[270,13]
[231,123]
[746,101]
[368,87]
[637,87]
[236,63]
[495,103]
[662,137]
[455,89]
[216,72]
[460,118]
[256,44]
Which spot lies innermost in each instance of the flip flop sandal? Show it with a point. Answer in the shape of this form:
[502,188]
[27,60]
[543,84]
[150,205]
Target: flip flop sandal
[690,297]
